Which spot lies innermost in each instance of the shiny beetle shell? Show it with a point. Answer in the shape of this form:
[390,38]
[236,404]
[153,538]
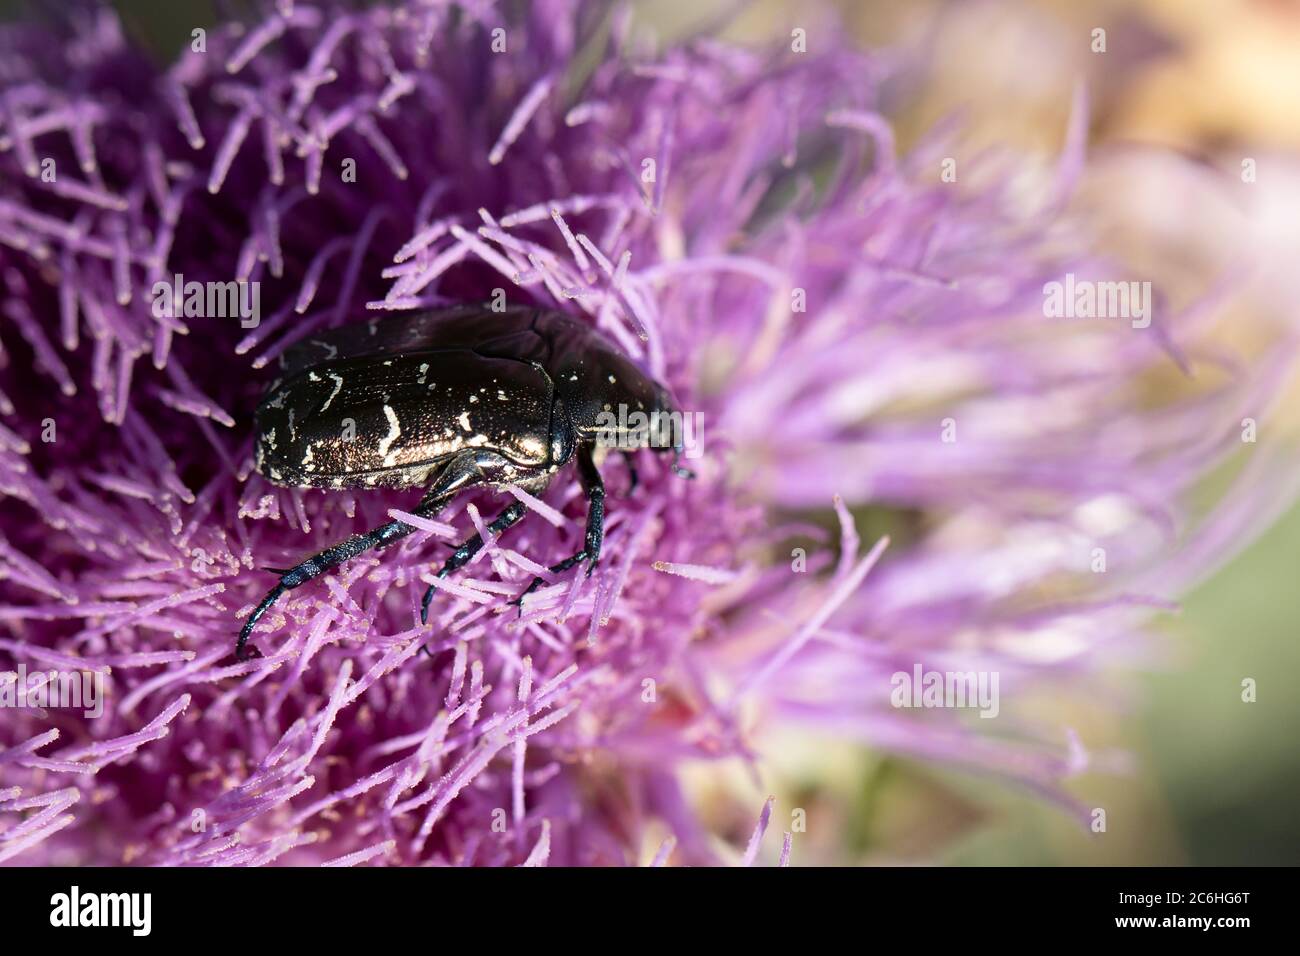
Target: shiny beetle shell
[389,402]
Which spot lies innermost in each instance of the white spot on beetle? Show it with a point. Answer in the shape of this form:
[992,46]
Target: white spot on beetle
[424,370]
[464,420]
[473,398]
[338,384]
[394,432]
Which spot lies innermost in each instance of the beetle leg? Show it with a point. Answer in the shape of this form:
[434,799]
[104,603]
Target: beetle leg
[331,558]
[591,480]
[560,568]
[460,557]
[595,535]
[677,469]
[633,480]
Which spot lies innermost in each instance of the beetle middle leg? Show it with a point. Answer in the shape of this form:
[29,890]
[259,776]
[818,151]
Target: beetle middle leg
[595,535]
[633,479]
[460,557]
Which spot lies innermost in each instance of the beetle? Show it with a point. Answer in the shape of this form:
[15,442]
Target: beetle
[448,400]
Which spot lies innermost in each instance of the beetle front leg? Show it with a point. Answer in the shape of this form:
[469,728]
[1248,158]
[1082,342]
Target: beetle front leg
[595,534]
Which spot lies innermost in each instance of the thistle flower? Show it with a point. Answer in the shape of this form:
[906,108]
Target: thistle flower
[855,331]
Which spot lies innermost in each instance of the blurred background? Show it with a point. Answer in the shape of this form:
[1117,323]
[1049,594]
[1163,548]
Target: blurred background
[1208,778]
[1202,777]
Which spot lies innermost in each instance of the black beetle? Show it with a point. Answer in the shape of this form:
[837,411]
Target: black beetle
[448,400]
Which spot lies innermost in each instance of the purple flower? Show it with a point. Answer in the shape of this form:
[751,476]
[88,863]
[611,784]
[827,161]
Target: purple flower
[853,330]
